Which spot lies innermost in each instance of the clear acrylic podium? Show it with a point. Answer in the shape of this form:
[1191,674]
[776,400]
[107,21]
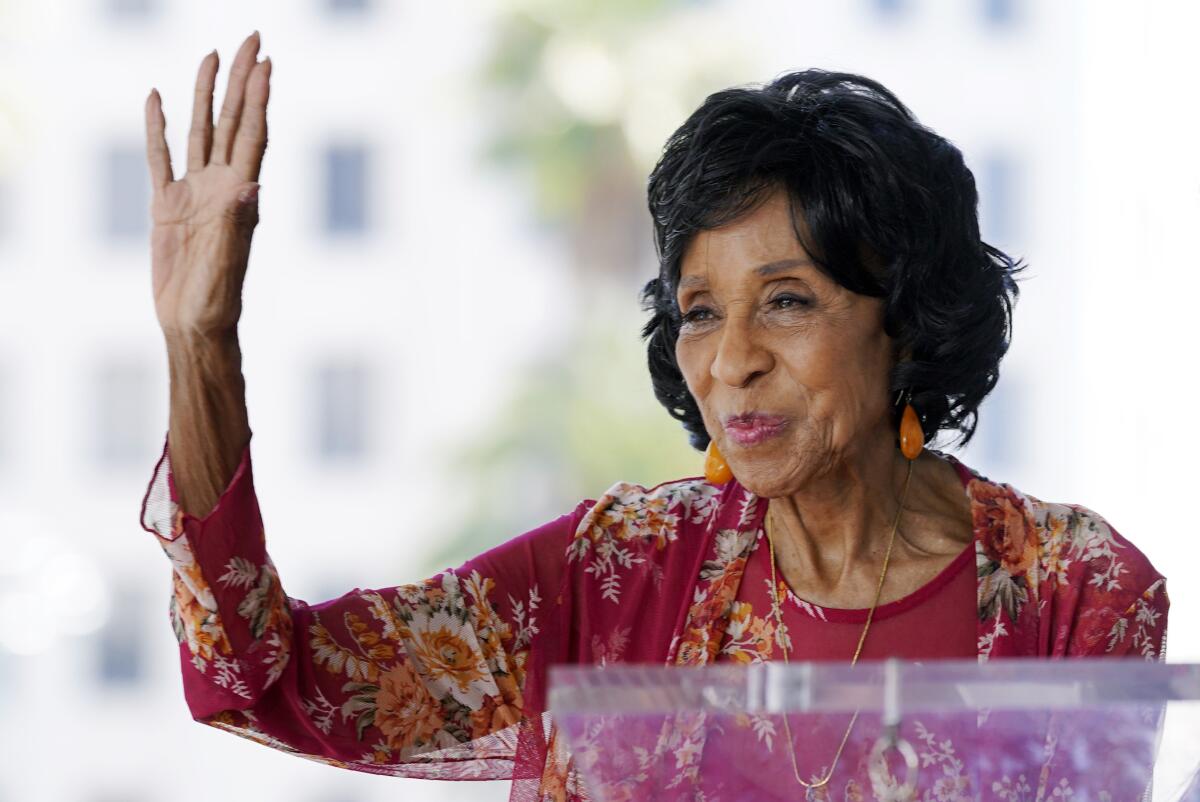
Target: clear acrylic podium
[1095,730]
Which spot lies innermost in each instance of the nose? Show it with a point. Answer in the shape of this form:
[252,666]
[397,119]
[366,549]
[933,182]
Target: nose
[740,356]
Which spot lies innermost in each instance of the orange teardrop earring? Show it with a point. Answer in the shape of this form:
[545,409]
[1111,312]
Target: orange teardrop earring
[912,437]
[716,469]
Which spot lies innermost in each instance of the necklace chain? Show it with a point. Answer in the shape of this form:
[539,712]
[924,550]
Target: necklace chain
[861,638]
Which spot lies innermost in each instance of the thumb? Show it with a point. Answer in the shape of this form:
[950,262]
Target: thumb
[248,194]
[245,208]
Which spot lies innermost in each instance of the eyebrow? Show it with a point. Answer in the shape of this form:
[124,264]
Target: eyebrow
[768,269]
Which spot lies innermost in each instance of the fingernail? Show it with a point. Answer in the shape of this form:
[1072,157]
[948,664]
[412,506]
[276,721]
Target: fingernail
[249,194]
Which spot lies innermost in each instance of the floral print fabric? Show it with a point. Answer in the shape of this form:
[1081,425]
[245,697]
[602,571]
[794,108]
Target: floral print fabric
[445,678]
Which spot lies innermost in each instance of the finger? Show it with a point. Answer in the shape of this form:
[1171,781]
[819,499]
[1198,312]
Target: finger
[157,154]
[200,135]
[231,109]
[251,140]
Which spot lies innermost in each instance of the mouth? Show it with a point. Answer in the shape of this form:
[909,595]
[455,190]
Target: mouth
[752,428]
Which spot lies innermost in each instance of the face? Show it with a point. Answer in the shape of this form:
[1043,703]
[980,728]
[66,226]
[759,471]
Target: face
[789,368]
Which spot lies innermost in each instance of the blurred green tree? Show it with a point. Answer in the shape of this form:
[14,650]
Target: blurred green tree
[580,419]
[581,95]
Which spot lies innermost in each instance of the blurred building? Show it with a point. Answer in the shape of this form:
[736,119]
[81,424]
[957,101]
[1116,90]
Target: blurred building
[397,287]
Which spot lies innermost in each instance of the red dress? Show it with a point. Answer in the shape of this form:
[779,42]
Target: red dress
[445,678]
[937,620]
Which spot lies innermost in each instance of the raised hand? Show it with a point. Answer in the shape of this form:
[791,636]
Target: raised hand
[199,248]
[204,221]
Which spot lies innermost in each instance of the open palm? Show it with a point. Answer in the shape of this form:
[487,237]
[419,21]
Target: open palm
[204,221]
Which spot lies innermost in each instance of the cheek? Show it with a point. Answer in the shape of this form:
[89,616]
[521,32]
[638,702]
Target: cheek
[694,360]
[865,385]
[689,356]
[846,379]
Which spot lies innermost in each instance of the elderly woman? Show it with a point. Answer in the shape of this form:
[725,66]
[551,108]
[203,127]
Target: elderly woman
[824,307]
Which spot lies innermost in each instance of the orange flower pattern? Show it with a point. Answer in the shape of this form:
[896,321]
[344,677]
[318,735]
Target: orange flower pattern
[405,712]
[446,678]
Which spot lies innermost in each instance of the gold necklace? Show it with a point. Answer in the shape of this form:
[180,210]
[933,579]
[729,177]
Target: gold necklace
[861,638]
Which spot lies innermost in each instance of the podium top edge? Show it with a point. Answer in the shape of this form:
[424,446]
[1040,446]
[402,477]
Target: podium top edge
[945,686]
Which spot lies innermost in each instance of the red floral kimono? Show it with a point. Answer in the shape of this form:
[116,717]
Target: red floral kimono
[446,678]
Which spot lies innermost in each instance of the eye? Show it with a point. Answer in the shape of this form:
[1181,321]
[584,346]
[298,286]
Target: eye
[697,314]
[788,301]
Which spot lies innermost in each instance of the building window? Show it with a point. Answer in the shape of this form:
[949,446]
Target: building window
[5,416]
[998,201]
[345,190]
[340,393]
[348,6]
[5,210]
[131,10]
[999,418]
[889,8]
[125,196]
[122,414]
[999,13]
[121,654]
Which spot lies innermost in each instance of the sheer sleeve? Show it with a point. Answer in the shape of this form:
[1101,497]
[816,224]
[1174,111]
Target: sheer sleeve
[1131,625]
[1121,611]
[1118,600]
[420,680]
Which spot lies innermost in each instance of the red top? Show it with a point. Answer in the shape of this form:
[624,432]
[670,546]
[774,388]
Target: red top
[903,628]
[937,620]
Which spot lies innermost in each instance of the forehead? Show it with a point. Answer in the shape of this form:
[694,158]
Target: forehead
[759,242]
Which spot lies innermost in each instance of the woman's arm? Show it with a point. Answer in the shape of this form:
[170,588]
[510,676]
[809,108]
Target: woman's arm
[208,424]
[436,678]
[200,247]
[439,679]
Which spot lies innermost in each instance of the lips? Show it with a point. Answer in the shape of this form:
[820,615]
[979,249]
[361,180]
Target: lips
[752,428]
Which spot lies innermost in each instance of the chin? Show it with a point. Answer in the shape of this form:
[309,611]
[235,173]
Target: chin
[764,486]
[767,478]
[774,472]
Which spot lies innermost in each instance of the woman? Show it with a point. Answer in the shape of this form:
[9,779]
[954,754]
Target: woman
[824,308]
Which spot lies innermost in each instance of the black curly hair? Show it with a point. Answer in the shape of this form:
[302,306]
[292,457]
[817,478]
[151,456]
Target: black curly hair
[889,210]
